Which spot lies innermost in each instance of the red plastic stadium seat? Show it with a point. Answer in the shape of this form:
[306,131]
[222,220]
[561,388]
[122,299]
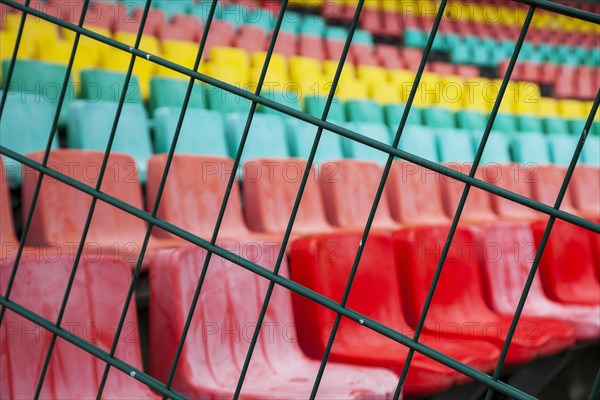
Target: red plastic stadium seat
[8,239]
[156,19]
[546,185]
[92,313]
[251,38]
[221,34]
[177,32]
[389,57]
[61,210]
[334,48]
[458,308]
[286,44]
[392,26]
[349,194]
[192,201]
[414,195]
[467,71]
[443,68]
[222,327]
[585,190]
[189,23]
[478,208]
[311,46]
[323,263]
[516,178]
[509,251]
[270,189]
[568,265]
[363,54]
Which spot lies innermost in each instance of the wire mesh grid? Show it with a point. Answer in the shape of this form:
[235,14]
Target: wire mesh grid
[342,311]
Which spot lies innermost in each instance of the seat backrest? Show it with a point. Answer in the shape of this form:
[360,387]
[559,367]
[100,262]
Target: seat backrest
[591,151]
[393,115]
[514,177]
[458,294]
[314,105]
[8,239]
[301,136]
[270,190]
[439,117]
[202,132]
[354,149]
[530,147]
[23,134]
[496,148]
[420,141]
[192,201]
[349,188]
[90,125]
[414,195]
[170,92]
[106,85]
[455,145]
[61,210]
[94,307]
[585,189]
[546,184]
[562,147]
[266,138]
[364,111]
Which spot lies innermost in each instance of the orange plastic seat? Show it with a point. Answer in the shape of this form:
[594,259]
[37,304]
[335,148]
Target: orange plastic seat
[192,201]
[61,210]
[478,208]
[349,188]
[568,266]
[222,327]
[322,263]
[458,308]
[585,190]
[92,313]
[509,254]
[415,195]
[270,189]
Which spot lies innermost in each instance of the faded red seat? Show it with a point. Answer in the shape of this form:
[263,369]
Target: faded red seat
[251,38]
[585,190]
[478,208]
[568,265]
[311,46]
[546,185]
[8,239]
[458,308]
[61,210]
[192,201]
[270,189]
[222,327]
[286,44]
[92,313]
[517,179]
[349,188]
[414,195]
[322,263]
[509,254]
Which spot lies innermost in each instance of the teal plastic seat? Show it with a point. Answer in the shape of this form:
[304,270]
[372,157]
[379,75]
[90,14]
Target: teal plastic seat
[312,25]
[364,111]
[171,7]
[455,145]
[226,102]
[576,126]
[291,22]
[555,125]
[530,147]
[596,128]
[415,38]
[301,136]
[461,53]
[90,124]
[472,120]
[362,36]
[528,123]
[420,141]
[393,115]
[354,149]
[336,33]
[201,9]
[233,14]
[314,105]
[105,85]
[42,78]
[438,117]
[259,17]
[288,98]
[170,92]
[202,132]
[496,149]
[591,151]
[562,147]
[266,138]
[25,127]
[506,123]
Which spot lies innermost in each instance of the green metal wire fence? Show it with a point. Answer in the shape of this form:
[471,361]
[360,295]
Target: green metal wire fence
[492,382]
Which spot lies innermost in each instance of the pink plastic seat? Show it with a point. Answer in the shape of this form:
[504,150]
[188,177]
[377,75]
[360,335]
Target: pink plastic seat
[286,44]
[8,239]
[222,327]
[61,210]
[92,313]
[585,190]
[192,201]
[311,46]
[458,308]
[251,38]
[323,263]
[349,192]
[546,185]
[270,189]
[510,251]
[414,195]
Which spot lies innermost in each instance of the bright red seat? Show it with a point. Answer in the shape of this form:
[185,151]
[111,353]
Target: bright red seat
[192,201]
[323,263]
[478,208]
[92,313]
[568,266]
[270,189]
[414,195]
[222,327]
[458,308]
[61,210]
[516,178]
[349,188]
[585,190]
[509,254]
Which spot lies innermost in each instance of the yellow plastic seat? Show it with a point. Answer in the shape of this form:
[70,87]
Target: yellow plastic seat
[529,96]
[330,66]
[277,65]
[35,29]
[384,92]
[229,55]
[452,92]
[372,74]
[118,60]
[301,67]
[180,52]
[7,45]
[234,75]
[311,85]
[352,90]
[570,109]
[547,107]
